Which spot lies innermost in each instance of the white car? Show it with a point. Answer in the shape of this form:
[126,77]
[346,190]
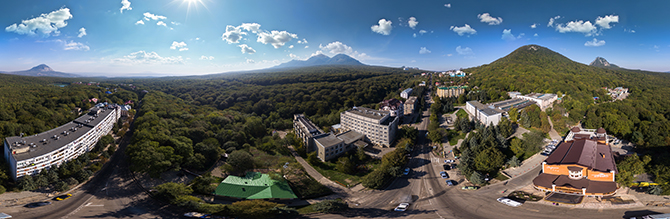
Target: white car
[509,202]
[449,161]
[402,207]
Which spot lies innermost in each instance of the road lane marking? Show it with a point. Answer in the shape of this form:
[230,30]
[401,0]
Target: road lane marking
[90,205]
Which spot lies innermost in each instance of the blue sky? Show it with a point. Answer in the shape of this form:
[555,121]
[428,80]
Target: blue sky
[187,37]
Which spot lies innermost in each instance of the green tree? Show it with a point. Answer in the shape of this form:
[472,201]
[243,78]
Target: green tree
[345,165]
[514,114]
[170,191]
[313,159]
[204,184]
[489,160]
[375,179]
[477,178]
[516,145]
[514,162]
[254,209]
[240,160]
[26,183]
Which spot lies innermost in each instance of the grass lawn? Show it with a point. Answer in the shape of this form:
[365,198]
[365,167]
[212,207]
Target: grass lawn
[454,136]
[462,114]
[501,177]
[327,169]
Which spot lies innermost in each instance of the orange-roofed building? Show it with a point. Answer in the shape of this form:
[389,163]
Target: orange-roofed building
[581,164]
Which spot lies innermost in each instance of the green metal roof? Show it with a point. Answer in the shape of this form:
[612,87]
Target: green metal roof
[254,186]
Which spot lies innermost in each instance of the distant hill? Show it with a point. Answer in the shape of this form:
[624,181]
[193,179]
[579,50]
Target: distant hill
[318,60]
[42,71]
[603,63]
[533,68]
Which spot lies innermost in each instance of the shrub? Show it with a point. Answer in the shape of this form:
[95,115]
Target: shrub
[62,186]
[331,206]
[2,189]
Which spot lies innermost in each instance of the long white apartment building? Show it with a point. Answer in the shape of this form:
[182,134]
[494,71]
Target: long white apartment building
[28,155]
[544,101]
[378,126]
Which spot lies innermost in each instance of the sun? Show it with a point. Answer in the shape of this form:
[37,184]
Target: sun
[192,4]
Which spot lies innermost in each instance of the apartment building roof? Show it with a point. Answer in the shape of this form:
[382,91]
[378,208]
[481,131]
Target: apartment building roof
[392,103]
[40,144]
[585,152]
[369,113]
[350,136]
[410,100]
[327,140]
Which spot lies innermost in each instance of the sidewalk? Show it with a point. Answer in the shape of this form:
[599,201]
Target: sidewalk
[527,165]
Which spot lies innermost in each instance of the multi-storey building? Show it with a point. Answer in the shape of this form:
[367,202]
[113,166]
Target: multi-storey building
[394,106]
[405,93]
[452,91]
[378,126]
[482,113]
[410,105]
[582,164]
[326,145]
[28,155]
[307,131]
[544,101]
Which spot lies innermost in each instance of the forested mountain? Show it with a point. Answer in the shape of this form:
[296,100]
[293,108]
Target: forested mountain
[42,70]
[603,63]
[318,60]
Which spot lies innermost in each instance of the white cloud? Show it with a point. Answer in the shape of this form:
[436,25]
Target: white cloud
[338,47]
[276,38]
[412,22]
[250,61]
[233,34]
[306,47]
[450,54]
[207,58]
[463,30]
[161,23]
[293,56]
[150,16]
[179,45]
[413,61]
[303,41]
[507,35]
[139,22]
[486,18]
[45,23]
[175,23]
[447,5]
[629,30]
[595,42]
[253,27]
[464,51]
[604,22]
[423,50]
[82,32]
[247,49]
[552,20]
[148,58]
[422,31]
[126,5]
[535,35]
[73,45]
[534,25]
[414,35]
[290,47]
[384,27]
[579,26]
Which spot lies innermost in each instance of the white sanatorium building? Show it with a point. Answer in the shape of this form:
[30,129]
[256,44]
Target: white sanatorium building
[379,126]
[28,155]
[484,114]
[326,145]
[544,101]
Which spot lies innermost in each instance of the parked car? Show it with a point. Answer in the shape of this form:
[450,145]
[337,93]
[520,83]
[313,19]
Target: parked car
[446,167]
[449,161]
[509,202]
[451,183]
[62,197]
[469,187]
[444,175]
[402,207]
[406,172]
[37,204]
